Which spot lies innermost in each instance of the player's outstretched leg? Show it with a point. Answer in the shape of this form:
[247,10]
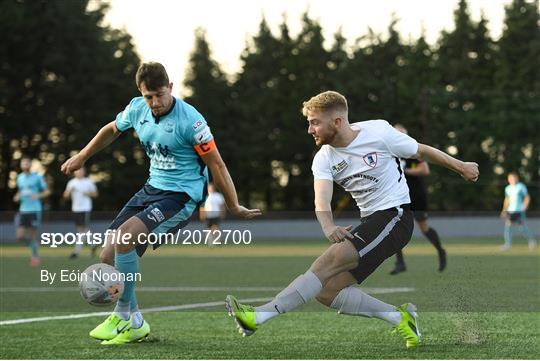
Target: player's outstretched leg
[340,294]
[298,292]
[338,258]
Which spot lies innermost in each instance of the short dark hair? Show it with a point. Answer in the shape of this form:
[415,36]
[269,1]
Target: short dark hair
[153,75]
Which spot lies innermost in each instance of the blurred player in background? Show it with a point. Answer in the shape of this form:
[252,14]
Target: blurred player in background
[363,158]
[516,202]
[181,149]
[415,170]
[31,190]
[81,190]
[213,212]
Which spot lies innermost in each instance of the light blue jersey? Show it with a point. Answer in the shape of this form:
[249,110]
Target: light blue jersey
[169,141]
[515,193]
[28,185]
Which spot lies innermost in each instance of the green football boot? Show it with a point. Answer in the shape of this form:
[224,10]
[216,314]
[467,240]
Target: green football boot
[130,335]
[408,327]
[110,328]
[244,316]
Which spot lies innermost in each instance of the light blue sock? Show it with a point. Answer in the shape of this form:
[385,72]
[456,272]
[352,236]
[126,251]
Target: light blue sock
[128,264]
[507,235]
[526,232]
[133,305]
[34,248]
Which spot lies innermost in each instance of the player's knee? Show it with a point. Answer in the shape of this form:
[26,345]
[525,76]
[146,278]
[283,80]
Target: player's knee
[326,296]
[124,247]
[107,257]
[332,262]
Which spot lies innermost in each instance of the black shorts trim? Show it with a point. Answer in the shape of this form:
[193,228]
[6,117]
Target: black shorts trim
[380,236]
[515,217]
[81,219]
[156,208]
[29,219]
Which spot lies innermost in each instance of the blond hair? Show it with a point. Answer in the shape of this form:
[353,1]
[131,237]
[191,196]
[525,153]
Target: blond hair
[326,101]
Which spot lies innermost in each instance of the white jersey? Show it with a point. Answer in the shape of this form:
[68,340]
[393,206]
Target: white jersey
[213,205]
[77,188]
[369,167]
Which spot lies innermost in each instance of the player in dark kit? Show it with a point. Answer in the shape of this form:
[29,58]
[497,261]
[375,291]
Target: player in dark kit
[415,170]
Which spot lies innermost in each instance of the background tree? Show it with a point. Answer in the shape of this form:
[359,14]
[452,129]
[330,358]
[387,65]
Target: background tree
[64,75]
[514,142]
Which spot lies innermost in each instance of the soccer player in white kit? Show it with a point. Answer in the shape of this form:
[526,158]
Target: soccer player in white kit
[212,212]
[363,158]
[81,190]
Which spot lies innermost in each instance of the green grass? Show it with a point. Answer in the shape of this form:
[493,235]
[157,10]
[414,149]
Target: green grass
[482,307]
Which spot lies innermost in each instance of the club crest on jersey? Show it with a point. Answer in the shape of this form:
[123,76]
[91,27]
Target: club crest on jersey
[169,127]
[339,167]
[371,159]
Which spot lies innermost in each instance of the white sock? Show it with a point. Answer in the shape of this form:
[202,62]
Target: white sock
[122,311]
[352,301]
[79,245]
[299,292]
[136,319]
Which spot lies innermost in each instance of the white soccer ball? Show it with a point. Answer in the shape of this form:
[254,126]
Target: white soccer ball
[101,284]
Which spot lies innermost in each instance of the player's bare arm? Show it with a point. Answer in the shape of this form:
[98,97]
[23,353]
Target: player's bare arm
[220,174]
[504,207]
[41,195]
[93,194]
[526,201]
[323,209]
[421,170]
[468,170]
[102,139]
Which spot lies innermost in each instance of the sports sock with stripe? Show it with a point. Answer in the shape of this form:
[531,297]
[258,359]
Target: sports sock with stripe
[353,301]
[299,292]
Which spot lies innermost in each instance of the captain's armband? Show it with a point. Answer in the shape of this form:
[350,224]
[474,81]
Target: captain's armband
[205,148]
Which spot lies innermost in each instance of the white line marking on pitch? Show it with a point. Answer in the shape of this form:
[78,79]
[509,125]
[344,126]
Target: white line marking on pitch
[378,290]
[143,289]
[178,307]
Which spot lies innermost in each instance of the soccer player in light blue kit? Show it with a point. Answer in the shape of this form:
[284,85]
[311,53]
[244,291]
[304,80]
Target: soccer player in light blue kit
[516,202]
[31,189]
[181,147]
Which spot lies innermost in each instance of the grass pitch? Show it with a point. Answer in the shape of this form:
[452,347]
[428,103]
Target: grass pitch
[485,305]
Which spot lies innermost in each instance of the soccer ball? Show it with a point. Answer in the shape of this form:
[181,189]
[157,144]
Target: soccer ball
[101,284]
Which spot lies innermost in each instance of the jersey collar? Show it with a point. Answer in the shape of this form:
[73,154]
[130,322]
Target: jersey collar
[157,118]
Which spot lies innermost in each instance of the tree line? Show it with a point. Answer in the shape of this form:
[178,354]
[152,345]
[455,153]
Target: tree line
[468,94]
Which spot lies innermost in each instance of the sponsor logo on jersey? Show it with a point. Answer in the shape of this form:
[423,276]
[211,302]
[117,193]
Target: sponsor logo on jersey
[197,124]
[159,155]
[203,136]
[339,167]
[371,159]
[143,121]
